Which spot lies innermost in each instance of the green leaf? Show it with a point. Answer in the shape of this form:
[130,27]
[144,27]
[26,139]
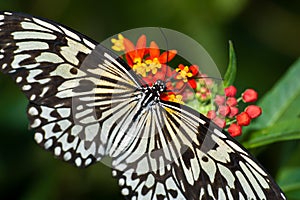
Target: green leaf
[284,130]
[282,102]
[289,180]
[231,69]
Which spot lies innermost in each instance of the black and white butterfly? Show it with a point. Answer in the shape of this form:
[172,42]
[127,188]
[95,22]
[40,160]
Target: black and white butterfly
[86,103]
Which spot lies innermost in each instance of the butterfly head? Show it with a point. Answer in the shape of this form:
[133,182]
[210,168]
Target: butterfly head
[159,86]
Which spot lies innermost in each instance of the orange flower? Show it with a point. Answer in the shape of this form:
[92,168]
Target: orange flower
[135,54]
[155,60]
[171,96]
[187,74]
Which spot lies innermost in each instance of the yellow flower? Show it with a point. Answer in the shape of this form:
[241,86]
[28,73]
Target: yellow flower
[153,65]
[139,67]
[118,43]
[176,98]
[184,72]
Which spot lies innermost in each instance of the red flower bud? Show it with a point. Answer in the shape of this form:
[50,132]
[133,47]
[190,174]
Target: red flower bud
[253,111]
[230,91]
[243,119]
[233,111]
[219,100]
[220,122]
[203,97]
[235,130]
[231,101]
[224,110]
[211,114]
[249,95]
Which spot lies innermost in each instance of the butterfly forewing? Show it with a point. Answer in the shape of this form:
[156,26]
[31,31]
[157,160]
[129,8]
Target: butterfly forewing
[73,87]
[85,103]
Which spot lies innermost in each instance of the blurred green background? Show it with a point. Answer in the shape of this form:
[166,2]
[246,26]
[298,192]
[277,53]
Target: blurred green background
[266,38]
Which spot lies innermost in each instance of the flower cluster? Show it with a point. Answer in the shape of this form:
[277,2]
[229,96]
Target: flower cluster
[186,83]
[152,65]
[227,114]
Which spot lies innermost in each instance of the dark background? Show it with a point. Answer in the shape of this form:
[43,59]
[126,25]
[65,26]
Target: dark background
[265,35]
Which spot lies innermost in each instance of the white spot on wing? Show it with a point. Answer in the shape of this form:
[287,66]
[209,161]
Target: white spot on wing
[33,111]
[31,45]
[210,192]
[32,74]
[7,13]
[125,191]
[258,176]
[227,174]
[64,112]
[38,137]
[31,26]
[245,184]
[236,147]
[78,161]
[4,66]
[48,144]
[65,144]
[64,124]
[36,123]
[219,133]
[45,89]
[254,165]
[252,180]
[67,156]
[121,181]
[32,97]
[71,34]
[83,113]
[151,181]
[209,167]
[19,79]
[76,129]
[114,173]
[49,57]
[88,161]
[19,58]
[88,43]
[46,113]
[91,131]
[1,17]
[63,70]
[57,151]
[46,24]
[142,166]
[20,35]
[69,52]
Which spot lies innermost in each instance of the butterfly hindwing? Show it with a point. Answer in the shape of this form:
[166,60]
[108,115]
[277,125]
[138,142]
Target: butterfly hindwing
[207,163]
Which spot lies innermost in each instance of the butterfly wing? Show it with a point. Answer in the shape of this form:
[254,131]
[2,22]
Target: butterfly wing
[71,83]
[83,102]
[198,161]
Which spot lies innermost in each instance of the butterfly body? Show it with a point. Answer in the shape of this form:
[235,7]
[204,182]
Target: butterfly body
[85,103]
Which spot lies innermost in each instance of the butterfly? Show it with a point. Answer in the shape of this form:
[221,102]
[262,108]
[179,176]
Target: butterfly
[86,103]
